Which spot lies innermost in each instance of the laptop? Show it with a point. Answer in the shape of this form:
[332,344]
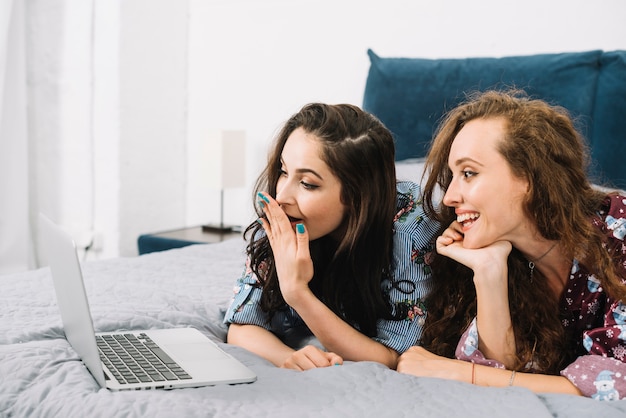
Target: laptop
[168,358]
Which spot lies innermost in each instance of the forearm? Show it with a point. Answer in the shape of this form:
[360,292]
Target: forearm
[539,383]
[496,335]
[420,362]
[260,341]
[493,318]
[338,336]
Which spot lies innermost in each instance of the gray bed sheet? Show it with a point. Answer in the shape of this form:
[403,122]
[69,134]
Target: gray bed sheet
[41,376]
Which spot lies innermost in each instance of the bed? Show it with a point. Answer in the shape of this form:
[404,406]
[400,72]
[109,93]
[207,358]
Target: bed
[41,376]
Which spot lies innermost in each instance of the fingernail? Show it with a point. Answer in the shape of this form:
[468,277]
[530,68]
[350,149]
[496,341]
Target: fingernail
[262,196]
[300,228]
[260,221]
[261,203]
[337,364]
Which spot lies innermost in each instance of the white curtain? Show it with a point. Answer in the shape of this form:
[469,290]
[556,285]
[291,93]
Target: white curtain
[16,250]
[46,150]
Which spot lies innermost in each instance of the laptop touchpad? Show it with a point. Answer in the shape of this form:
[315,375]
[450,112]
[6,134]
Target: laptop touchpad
[195,352]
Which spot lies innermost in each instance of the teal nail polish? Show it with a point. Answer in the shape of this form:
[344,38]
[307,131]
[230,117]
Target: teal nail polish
[260,221]
[300,228]
[261,203]
[262,196]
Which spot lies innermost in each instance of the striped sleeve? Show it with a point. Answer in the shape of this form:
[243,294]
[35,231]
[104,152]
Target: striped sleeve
[411,281]
[245,305]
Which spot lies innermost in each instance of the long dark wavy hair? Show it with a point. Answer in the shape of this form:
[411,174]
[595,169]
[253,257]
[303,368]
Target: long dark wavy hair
[542,146]
[360,152]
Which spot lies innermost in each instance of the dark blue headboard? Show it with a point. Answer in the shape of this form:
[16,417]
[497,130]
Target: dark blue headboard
[410,95]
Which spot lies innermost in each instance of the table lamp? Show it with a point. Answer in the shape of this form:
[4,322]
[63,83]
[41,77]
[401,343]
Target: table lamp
[232,151]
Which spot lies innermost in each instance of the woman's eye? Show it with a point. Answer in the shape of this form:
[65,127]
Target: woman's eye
[282,172]
[308,186]
[467,173]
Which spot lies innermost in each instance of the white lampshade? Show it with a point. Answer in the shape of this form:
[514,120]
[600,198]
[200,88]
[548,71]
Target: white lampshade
[233,159]
[216,164]
[220,160]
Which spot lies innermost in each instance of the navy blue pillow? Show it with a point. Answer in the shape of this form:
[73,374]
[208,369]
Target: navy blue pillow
[410,95]
[608,138]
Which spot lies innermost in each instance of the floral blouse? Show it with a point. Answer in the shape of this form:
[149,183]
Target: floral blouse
[597,322]
[413,239]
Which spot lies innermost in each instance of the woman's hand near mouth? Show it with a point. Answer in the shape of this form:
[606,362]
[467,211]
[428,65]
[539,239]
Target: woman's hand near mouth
[294,265]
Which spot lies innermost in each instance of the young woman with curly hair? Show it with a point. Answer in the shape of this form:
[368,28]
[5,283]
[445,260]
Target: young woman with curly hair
[530,271]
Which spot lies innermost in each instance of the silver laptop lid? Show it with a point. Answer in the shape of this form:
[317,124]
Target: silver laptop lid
[193,351]
[61,256]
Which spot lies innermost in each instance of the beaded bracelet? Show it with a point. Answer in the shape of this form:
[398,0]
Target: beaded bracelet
[512,378]
[473,373]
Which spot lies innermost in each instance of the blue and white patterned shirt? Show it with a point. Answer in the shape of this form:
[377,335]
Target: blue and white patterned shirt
[413,241]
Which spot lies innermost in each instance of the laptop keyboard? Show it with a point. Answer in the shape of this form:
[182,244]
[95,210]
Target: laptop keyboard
[134,359]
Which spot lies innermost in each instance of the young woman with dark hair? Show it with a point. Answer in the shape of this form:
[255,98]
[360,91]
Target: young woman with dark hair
[339,250]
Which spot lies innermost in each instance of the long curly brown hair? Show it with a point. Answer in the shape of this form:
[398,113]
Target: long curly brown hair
[348,273]
[543,147]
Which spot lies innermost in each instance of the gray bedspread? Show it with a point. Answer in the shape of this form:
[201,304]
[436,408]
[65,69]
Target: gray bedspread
[41,376]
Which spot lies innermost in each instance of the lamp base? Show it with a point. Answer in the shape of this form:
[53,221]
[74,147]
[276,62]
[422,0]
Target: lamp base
[221,229]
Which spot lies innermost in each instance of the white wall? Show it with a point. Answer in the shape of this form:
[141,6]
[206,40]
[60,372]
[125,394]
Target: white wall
[261,61]
[268,58]
[165,73]
[153,111]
